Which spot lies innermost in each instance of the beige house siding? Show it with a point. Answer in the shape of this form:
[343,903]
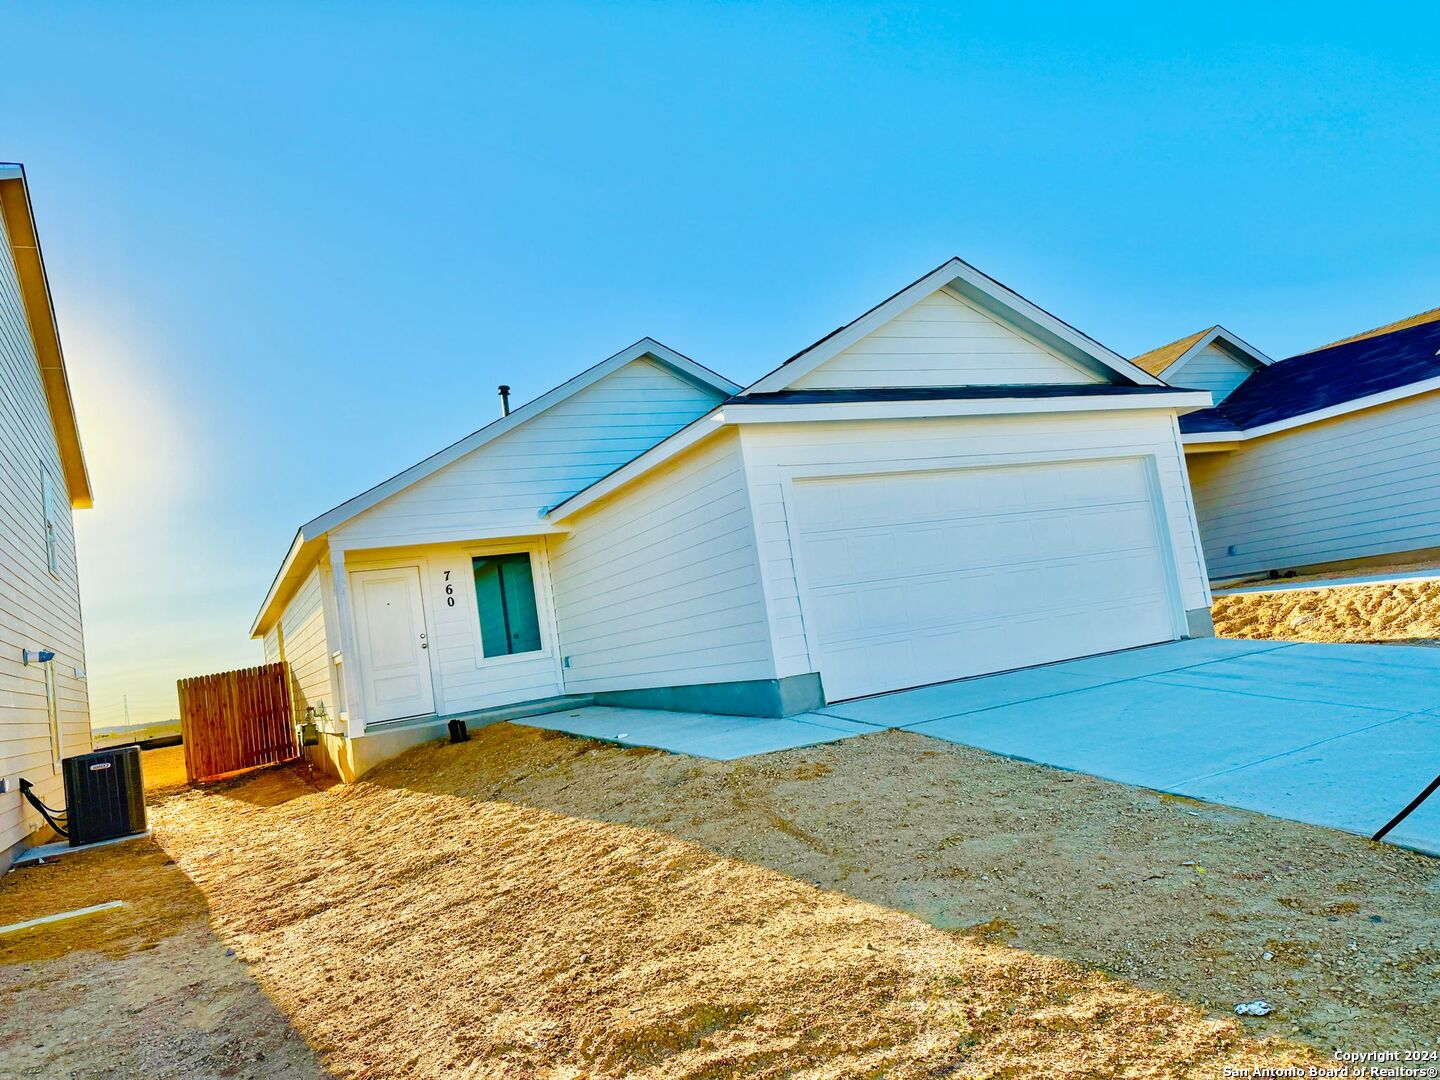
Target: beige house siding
[1354,487]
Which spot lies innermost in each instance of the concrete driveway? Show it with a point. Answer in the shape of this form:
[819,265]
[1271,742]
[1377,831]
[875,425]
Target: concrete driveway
[1337,735]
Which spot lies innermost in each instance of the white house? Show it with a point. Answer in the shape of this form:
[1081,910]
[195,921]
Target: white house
[954,483]
[44,708]
[1323,460]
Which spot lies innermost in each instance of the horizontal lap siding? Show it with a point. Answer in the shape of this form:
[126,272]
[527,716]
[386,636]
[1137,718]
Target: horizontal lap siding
[306,648]
[660,586]
[1210,369]
[38,610]
[507,483]
[775,453]
[272,645]
[1353,487]
[942,341]
[462,677]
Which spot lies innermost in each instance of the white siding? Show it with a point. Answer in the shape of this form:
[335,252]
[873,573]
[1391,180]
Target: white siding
[775,454]
[506,483]
[272,644]
[943,341]
[659,585]
[462,677]
[1213,369]
[1353,487]
[306,649]
[38,610]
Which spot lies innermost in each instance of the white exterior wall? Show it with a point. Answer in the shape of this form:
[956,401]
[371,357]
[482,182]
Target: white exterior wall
[1213,369]
[659,585]
[462,677]
[943,341]
[272,644]
[506,483]
[38,609]
[1353,487]
[775,454]
[305,647]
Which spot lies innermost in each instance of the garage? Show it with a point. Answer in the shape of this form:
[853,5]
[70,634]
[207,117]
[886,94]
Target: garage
[909,578]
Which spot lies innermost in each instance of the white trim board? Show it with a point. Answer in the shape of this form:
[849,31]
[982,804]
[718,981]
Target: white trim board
[745,413]
[1370,401]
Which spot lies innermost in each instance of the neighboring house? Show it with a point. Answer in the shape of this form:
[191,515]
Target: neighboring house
[954,483]
[44,708]
[1327,459]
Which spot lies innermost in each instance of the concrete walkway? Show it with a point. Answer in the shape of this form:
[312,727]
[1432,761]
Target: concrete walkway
[1337,735]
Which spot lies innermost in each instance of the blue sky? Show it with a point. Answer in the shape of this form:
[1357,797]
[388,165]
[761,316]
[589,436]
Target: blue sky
[294,248]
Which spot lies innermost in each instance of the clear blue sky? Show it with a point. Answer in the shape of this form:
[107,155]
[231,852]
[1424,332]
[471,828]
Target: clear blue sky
[294,249]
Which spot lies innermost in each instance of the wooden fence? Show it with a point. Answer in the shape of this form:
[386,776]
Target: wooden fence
[236,720]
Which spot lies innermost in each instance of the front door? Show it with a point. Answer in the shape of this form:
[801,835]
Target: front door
[390,625]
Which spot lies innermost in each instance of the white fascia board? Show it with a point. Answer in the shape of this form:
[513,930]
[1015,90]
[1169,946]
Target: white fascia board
[1385,397]
[272,597]
[695,432]
[979,289]
[703,376]
[1216,333]
[1179,402]
[523,530]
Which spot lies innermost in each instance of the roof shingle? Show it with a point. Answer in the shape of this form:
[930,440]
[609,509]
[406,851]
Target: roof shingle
[1347,371]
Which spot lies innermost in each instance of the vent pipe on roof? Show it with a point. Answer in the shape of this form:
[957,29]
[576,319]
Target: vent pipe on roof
[504,400]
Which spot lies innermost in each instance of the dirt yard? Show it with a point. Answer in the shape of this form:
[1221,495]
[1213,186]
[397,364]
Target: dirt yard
[147,990]
[532,905]
[1403,612]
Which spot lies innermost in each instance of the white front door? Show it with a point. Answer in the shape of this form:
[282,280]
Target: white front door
[914,578]
[390,626]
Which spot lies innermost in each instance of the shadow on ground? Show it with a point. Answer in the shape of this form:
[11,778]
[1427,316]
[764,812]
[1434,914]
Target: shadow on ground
[144,990]
[563,907]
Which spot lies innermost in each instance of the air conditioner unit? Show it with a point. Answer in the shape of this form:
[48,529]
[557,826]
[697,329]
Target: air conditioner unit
[104,795]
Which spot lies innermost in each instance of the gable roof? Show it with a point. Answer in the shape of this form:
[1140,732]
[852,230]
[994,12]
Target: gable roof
[1169,357]
[954,274]
[970,284]
[306,544]
[1346,374]
[40,313]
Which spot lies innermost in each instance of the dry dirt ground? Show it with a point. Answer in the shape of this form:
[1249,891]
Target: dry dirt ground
[533,905]
[1407,612]
[146,990]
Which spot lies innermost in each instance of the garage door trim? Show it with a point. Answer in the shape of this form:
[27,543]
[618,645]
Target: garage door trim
[850,470]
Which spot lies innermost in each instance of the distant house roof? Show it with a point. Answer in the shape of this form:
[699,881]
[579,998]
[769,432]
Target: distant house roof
[1358,368]
[1432,315]
[35,292]
[1157,360]
[1172,357]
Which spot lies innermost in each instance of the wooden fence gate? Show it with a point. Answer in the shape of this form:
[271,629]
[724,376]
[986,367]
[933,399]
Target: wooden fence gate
[236,720]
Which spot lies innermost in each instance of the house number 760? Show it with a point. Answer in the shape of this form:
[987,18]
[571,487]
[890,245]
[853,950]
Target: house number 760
[449,591]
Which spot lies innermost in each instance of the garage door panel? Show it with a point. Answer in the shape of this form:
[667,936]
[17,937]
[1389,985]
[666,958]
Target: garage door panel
[921,577]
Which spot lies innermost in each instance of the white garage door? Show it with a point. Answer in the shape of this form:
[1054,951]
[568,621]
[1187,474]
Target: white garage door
[914,578]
